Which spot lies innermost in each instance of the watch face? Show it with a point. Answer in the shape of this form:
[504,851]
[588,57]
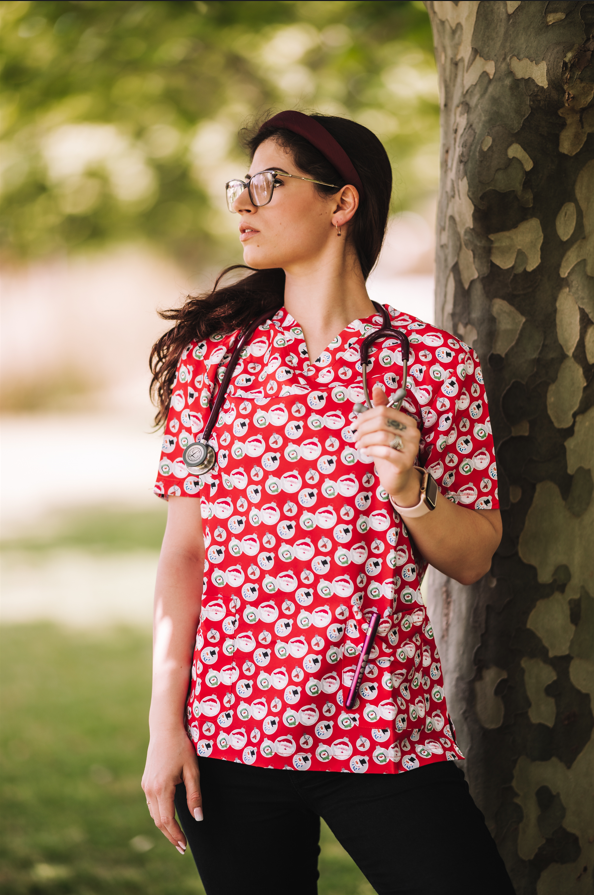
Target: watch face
[431,491]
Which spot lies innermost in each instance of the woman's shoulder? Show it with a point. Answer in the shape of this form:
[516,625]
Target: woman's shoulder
[209,350]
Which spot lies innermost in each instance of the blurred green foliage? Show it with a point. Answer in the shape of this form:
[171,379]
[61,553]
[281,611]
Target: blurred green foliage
[72,747]
[95,530]
[118,120]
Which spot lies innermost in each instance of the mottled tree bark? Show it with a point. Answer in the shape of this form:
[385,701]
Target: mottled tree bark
[515,279]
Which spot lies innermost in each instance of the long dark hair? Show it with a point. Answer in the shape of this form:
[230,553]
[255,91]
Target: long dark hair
[232,306]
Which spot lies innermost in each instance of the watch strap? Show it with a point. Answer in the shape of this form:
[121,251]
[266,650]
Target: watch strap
[427,500]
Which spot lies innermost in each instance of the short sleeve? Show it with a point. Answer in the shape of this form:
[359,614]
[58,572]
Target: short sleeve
[457,441]
[186,419]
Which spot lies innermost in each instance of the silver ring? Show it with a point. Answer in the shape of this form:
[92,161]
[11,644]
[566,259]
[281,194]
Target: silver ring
[396,424]
[397,444]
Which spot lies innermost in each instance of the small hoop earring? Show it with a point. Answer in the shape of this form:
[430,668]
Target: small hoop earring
[338,230]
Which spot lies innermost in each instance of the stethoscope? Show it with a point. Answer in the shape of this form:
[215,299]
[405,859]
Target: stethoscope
[200,457]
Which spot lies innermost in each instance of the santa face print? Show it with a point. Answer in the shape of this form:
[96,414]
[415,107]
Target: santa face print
[302,542]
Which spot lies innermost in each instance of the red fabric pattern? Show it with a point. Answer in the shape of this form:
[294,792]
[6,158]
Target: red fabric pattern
[302,542]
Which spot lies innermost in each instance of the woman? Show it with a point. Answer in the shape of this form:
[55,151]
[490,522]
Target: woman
[313,516]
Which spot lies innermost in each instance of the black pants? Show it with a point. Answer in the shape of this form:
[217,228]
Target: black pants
[417,833]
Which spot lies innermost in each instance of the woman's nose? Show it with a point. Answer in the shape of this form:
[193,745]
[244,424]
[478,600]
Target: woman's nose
[243,202]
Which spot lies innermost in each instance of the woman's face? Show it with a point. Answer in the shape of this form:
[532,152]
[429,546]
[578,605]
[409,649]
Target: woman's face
[294,229]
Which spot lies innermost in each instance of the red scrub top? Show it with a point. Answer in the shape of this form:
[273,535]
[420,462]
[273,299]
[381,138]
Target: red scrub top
[302,543]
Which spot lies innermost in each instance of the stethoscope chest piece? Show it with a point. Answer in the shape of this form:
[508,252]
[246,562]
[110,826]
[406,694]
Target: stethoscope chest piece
[199,457]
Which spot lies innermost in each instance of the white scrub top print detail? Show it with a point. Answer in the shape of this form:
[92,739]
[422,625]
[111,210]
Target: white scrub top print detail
[302,543]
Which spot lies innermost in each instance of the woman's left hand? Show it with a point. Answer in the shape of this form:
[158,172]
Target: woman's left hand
[392,438]
[456,540]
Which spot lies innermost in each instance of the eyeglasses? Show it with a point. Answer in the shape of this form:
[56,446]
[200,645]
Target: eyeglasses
[261,186]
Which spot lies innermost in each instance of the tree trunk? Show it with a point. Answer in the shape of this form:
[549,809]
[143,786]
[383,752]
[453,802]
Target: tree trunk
[515,279]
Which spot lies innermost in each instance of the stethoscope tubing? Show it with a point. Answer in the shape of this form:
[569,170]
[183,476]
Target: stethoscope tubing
[387,331]
[200,456]
[202,448]
[220,397]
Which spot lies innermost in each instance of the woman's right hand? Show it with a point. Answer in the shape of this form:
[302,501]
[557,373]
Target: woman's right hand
[171,760]
[171,756]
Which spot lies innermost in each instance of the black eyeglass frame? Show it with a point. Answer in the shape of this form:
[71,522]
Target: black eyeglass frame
[246,184]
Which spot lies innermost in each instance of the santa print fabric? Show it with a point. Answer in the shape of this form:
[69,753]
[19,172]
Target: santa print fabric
[302,543]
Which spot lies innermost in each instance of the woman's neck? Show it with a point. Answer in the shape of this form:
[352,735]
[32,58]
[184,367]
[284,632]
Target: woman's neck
[324,300]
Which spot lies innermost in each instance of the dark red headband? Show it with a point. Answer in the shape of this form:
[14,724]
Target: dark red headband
[322,139]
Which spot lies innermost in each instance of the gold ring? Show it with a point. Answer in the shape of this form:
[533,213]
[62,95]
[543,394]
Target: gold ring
[397,444]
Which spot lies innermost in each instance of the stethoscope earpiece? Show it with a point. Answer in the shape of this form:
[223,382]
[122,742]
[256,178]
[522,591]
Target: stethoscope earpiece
[199,457]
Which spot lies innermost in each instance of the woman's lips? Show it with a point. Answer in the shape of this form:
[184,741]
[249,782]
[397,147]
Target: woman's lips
[246,234]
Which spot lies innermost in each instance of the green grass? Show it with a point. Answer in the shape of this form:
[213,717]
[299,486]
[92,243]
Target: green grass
[96,529]
[72,740]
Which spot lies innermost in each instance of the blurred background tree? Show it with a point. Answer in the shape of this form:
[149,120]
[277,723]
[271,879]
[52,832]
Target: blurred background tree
[119,120]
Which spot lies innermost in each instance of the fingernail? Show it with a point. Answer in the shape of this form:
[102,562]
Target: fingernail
[181,850]
[198,815]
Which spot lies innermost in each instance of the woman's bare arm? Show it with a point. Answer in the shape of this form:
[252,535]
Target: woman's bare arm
[171,757]
[457,541]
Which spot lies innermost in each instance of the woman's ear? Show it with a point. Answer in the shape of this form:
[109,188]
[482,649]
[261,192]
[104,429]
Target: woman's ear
[346,203]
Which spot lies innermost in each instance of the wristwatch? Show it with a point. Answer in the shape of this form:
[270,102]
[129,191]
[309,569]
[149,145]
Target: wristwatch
[427,501]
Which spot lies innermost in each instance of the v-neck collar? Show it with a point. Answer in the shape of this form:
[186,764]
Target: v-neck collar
[358,328]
